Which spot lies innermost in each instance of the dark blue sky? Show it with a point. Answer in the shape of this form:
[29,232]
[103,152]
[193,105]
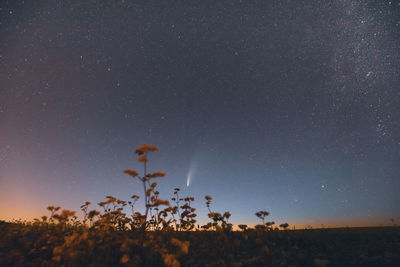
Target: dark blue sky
[283,106]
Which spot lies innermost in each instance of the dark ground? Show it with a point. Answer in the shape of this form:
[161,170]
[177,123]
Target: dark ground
[39,245]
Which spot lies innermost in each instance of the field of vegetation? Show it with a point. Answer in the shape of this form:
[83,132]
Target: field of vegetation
[42,244]
[165,233]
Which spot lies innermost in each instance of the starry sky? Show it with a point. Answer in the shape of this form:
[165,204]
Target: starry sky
[287,106]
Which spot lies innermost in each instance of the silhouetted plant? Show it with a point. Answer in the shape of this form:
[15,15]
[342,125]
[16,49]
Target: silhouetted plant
[175,209]
[148,188]
[91,215]
[84,209]
[242,226]
[260,227]
[113,216]
[53,211]
[262,214]
[217,217]
[269,225]
[187,220]
[284,225]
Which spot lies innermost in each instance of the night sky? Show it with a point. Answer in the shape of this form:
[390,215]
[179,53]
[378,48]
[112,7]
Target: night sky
[287,106]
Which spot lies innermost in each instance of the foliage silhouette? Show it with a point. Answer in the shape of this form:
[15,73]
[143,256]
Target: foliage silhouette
[150,238]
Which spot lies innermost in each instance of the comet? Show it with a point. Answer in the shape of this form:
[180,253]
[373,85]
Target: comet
[190,174]
[188,179]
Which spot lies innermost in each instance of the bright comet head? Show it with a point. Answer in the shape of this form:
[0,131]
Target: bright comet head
[188,180]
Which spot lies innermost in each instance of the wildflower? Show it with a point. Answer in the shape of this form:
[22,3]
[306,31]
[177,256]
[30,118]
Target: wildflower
[58,257]
[183,246]
[262,214]
[185,213]
[170,260]
[142,158]
[67,213]
[144,148]
[148,191]
[157,174]
[87,203]
[242,226]
[111,199]
[135,197]
[93,213]
[161,202]
[260,227]
[124,259]
[53,209]
[208,197]
[131,172]
[121,202]
[186,206]
[57,250]
[284,225]
[268,224]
